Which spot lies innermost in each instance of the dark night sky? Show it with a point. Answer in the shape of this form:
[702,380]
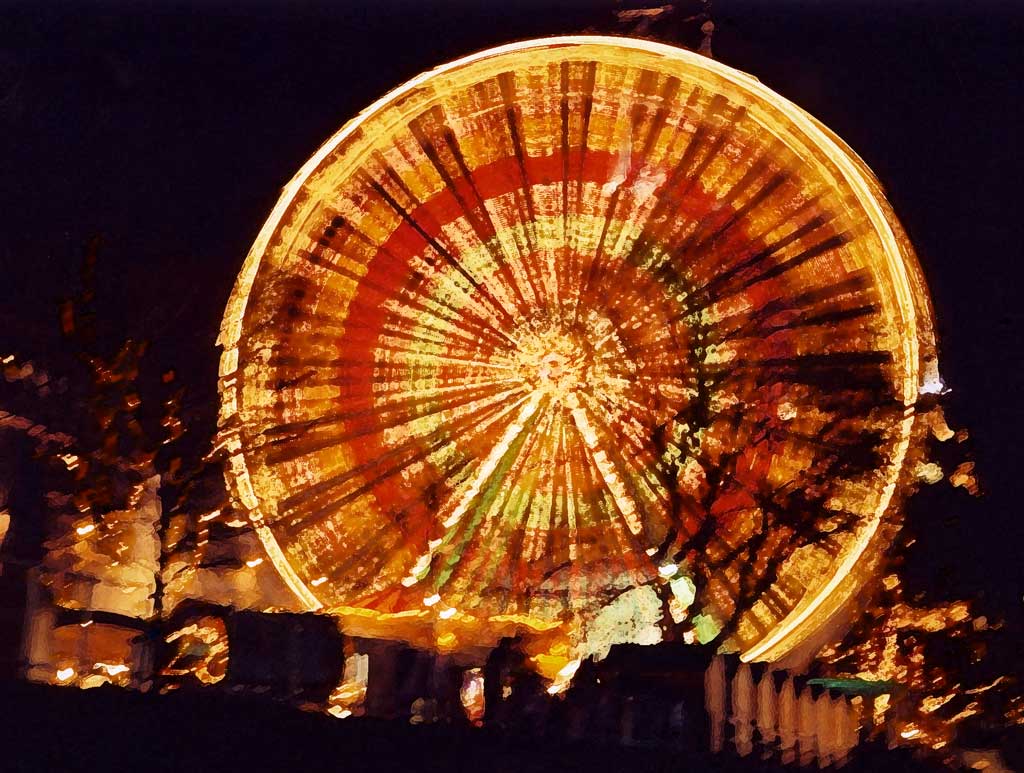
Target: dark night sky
[168,129]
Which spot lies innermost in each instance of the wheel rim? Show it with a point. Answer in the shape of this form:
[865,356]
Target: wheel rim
[502,332]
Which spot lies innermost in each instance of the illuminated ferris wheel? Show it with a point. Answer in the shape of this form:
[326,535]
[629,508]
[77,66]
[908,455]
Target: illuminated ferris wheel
[569,318]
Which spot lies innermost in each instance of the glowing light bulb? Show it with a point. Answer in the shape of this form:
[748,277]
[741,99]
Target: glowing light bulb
[65,674]
[113,669]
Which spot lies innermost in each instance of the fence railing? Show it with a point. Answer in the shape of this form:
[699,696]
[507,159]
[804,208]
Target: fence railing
[777,715]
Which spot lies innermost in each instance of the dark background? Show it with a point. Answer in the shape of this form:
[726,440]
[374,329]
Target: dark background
[168,129]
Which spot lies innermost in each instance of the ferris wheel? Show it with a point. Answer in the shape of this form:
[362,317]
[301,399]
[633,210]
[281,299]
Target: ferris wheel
[569,318]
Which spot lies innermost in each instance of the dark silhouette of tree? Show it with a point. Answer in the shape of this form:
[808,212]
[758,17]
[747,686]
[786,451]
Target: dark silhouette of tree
[716,455]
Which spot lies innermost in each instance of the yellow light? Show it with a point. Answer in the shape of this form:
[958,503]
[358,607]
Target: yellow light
[446,640]
[569,669]
[880,708]
[564,677]
[421,566]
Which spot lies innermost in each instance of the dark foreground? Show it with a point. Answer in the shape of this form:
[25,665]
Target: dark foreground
[108,729]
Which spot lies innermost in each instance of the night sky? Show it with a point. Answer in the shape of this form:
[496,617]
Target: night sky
[168,130]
